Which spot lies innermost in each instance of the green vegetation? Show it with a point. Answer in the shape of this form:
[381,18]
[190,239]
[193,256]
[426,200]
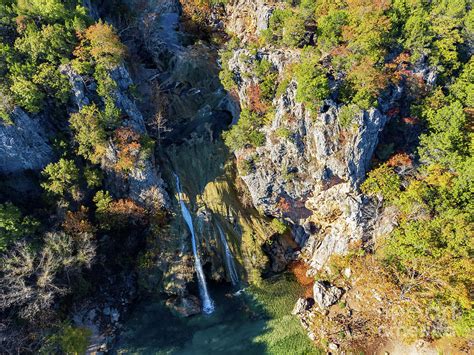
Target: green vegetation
[74,340]
[355,52]
[245,132]
[69,340]
[434,232]
[14,226]
[61,177]
[43,259]
[90,134]
[36,38]
[267,77]
[278,226]
[347,114]
[313,84]
[285,335]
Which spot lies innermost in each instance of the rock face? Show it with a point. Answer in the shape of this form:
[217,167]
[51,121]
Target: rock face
[302,305]
[247,17]
[24,144]
[309,169]
[185,306]
[143,184]
[326,295]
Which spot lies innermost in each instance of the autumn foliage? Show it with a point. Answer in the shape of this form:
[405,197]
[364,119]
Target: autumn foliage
[128,145]
[102,43]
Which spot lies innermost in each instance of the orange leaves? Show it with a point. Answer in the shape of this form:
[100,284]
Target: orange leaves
[101,42]
[125,212]
[128,146]
[77,222]
[254,94]
[300,269]
[400,160]
[365,76]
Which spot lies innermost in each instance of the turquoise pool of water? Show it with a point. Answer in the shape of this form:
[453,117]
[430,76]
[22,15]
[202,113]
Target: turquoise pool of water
[258,321]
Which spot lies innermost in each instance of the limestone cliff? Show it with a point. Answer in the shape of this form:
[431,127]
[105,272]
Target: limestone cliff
[311,164]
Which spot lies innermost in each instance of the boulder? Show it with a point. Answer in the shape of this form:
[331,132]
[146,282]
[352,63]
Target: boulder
[326,295]
[302,305]
[184,306]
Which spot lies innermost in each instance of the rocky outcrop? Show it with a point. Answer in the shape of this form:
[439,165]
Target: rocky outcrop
[326,295]
[309,169]
[246,18]
[143,184]
[24,144]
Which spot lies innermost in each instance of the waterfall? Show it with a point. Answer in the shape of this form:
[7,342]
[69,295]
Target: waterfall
[208,304]
[229,258]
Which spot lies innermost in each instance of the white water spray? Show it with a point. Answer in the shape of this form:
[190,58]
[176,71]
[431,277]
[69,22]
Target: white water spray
[229,258]
[208,304]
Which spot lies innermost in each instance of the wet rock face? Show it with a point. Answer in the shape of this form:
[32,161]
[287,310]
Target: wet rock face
[24,145]
[184,306]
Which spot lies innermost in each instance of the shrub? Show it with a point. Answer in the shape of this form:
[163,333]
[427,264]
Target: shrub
[27,94]
[274,32]
[245,132]
[103,44]
[313,84]
[226,75]
[74,340]
[347,113]
[129,146]
[294,31]
[32,278]
[52,82]
[6,105]
[255,100]
[330,28]
[13,226]
[89,133]
[278,226]
[93,177]
[268,78]
[283,133]
[77,222]
[366,81]
[119,214]
[383,182]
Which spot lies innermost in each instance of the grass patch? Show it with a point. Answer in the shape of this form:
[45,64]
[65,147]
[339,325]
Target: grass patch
[285,335]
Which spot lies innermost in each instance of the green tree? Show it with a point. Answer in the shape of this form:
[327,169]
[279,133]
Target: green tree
[293,31]
[382,181]
[60,177]
[330,28]
[313,85]
[89,133]
[448,138]
[102,43]
[27,94]
[13,226]
[52,82]
[245,132]
[74,340]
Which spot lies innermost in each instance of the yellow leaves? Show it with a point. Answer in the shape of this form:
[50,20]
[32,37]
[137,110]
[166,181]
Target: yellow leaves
[439,177]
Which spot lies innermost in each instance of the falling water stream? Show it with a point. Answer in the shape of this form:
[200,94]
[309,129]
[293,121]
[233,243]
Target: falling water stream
[229,258]
[208,304]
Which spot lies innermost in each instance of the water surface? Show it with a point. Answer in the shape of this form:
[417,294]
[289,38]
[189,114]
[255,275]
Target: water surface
[258,321]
